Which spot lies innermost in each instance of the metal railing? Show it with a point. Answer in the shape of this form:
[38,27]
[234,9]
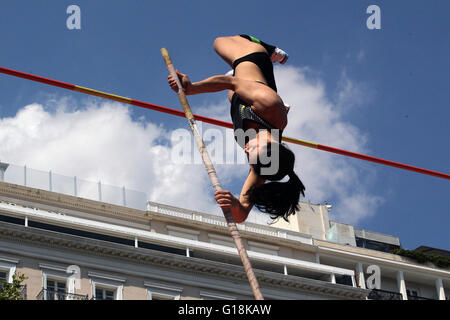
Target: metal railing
[23,291]
[414,297]
[46,294]
[98,298]
[378,294]
[98,191]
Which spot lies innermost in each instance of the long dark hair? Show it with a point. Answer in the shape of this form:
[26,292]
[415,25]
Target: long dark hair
[278,199]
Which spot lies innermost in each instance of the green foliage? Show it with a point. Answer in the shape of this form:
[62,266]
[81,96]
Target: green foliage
[12,291]
[421,257]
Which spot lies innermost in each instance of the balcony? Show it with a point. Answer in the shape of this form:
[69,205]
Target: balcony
[58,295]
[414,297]
[23,292]
[377,294]
[99,298]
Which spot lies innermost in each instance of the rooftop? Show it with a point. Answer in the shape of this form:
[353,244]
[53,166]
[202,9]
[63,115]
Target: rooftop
[312,224]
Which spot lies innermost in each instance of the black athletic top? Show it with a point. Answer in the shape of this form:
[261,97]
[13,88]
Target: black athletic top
[241,112]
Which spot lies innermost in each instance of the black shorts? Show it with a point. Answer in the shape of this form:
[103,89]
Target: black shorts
[262,60]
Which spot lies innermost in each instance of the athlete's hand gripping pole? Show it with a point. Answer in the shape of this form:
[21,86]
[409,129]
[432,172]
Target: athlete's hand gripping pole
[214,179]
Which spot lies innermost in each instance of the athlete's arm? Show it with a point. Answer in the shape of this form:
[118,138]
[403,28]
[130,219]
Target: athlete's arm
[211,84]
[240,208]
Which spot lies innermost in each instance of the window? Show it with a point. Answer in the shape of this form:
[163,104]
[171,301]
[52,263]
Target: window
[205,295]
[413,294]
[3,277]
[12,220]
[158,296]
[152,246]
[106,286]
[374,245]
[55,290]
[7,268]
[103,237]
[55,282]
[104,294]
[160,291]
[344,279]
[80,233]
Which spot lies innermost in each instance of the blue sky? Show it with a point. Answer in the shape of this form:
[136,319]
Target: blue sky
[385,91]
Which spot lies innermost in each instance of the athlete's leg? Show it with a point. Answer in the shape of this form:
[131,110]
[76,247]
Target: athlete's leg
[275,53]
[269,48]
[260,96]
[263,99]
[235,47]
[232,48]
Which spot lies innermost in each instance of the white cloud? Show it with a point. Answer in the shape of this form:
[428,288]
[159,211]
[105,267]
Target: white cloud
[316,118]
[352,95]
[101,141]
[360,57]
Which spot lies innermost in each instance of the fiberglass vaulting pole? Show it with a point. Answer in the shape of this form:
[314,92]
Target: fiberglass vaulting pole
[214,179]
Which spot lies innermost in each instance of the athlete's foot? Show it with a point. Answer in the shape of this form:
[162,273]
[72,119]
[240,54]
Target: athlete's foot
[230,73]
[287,107]
[279,55]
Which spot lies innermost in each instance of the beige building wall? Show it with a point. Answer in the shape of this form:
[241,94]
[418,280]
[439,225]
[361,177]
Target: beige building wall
[303,255]
[312,219]
[158,227]
[134,290]
[34,281]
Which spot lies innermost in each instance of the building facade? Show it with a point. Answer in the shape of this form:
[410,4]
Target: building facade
[70,247]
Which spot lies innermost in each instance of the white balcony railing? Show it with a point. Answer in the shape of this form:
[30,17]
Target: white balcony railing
[48,180]
[220,221]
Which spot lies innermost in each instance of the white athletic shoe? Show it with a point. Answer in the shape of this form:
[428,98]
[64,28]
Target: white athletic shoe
[288,107]
[229,73]
[279,56]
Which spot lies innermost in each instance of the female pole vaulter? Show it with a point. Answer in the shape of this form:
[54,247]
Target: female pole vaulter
[259,117]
